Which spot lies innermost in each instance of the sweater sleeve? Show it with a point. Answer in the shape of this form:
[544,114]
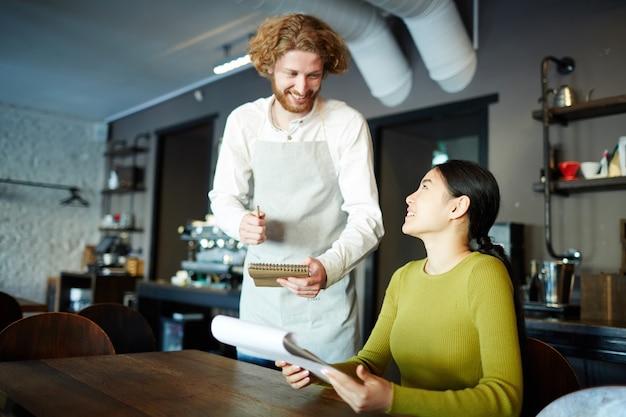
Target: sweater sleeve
[498,391]
[376,354]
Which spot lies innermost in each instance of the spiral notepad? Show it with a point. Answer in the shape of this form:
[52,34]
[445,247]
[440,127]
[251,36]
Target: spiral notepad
[265,275]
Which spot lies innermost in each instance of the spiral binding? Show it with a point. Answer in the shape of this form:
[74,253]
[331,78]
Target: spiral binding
[279,267]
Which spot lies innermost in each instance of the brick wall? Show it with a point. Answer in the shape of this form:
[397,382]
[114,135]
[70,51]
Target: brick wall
[39,237]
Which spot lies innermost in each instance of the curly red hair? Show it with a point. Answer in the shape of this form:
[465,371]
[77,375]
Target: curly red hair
[280,34]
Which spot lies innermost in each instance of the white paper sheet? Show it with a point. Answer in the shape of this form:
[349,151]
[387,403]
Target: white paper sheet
[268,342]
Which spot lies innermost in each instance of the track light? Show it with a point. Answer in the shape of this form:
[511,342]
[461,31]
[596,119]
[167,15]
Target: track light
[232,64]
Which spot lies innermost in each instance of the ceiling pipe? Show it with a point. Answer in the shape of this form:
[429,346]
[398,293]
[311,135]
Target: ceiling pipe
[373,48]
[440,37]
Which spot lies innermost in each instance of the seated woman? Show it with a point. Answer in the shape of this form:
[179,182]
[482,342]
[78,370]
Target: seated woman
[452,321]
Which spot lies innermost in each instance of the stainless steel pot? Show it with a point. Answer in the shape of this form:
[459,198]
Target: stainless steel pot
[557,278]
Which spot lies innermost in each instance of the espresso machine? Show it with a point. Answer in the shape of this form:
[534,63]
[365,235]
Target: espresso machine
[213,258]
[111,255]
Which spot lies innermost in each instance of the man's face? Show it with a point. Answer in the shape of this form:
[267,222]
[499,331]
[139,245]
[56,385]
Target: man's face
[297,80]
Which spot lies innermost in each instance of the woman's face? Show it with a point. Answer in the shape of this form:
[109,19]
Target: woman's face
[429,206]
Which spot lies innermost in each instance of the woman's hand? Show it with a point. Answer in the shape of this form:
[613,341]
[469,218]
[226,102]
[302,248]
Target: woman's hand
[296,376]
[372,394]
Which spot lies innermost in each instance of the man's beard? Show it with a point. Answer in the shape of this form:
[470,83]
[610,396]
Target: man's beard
[283,99]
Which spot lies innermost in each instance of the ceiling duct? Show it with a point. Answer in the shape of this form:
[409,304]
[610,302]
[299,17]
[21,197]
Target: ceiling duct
[440,37]
[373,48]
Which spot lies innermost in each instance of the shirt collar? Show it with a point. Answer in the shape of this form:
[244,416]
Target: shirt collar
[303,119]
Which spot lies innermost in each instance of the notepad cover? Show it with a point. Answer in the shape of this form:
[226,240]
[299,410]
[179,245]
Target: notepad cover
[265,274]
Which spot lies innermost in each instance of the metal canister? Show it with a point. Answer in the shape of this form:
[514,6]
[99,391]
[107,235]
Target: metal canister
[557,278]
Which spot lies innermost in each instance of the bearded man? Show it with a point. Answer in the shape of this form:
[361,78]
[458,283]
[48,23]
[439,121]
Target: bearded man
[295,182]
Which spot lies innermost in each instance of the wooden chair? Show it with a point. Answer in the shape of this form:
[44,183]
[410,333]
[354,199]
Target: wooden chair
[548,376]
[53,335]
[128,329]
[10,310]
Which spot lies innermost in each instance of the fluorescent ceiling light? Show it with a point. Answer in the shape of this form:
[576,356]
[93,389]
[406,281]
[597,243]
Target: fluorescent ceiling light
[232,64]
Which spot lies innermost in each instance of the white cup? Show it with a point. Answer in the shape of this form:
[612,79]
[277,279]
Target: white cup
[590,169]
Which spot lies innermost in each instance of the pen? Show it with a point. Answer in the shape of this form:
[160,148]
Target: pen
[258,212]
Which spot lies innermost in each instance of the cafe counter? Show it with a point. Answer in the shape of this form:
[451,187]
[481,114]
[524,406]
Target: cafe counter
[596,348]
[188,308]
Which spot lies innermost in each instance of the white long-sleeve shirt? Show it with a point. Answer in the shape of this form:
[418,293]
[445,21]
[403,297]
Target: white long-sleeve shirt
[350,146]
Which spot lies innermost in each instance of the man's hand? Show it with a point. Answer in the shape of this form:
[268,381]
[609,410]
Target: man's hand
[310,286]
[252,228]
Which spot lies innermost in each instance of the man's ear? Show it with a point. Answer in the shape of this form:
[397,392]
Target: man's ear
[460,207]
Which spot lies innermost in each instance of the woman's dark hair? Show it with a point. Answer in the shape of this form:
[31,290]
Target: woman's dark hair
[476,182]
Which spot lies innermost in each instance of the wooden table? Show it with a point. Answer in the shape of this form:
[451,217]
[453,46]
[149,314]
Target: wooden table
[181,383]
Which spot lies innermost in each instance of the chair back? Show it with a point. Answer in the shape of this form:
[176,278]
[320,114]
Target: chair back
[548,376]
[127,328]
[53,335]
[10,310]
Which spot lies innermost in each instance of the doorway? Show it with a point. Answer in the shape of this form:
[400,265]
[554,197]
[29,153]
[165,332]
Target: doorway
[406,147]
[183,177]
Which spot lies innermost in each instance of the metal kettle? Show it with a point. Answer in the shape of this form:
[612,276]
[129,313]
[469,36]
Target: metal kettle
[564,96]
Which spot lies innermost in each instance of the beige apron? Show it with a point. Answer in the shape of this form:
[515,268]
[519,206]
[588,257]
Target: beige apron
[296,187]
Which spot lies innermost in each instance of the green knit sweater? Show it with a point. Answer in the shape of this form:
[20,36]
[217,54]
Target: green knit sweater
[454,339]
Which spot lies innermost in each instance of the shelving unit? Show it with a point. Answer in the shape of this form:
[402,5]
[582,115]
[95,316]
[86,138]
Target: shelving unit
[591,109]
[563,116]
[130,183]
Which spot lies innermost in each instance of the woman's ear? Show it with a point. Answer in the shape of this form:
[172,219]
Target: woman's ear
[460,207]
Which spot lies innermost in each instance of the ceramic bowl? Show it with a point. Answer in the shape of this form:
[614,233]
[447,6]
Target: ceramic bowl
[590,169]
[569,169]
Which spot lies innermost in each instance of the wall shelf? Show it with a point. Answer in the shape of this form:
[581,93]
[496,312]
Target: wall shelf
[121,230]
[581,186]
[125,151]
[587,110]
[124,190]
